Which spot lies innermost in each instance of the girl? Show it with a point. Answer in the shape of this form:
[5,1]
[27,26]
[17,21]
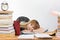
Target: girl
[33,26]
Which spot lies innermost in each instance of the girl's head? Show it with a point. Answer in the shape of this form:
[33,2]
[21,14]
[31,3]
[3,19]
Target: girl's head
[33,24]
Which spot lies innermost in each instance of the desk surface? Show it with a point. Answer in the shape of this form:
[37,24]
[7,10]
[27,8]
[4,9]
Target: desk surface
[8,38]
[15,38]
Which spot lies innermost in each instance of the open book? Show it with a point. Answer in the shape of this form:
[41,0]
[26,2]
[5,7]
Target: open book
[37,35]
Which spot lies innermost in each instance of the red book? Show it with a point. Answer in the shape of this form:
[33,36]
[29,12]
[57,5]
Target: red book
[17,27]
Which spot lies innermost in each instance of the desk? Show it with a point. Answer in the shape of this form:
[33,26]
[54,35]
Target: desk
[8,38]
[15,38]
[54,38]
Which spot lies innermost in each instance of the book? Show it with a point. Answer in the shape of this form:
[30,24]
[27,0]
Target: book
[5,16]
[5,25]
[31,36]
[6,12]
[6,21]
[7,32]
[6,28]
[26,37]
[38,35]
[58,34]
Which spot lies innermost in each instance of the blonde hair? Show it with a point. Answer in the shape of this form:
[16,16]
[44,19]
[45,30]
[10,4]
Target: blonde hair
[35,23]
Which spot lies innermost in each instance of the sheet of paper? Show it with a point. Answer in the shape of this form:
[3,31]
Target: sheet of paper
[26,36]
[42,35]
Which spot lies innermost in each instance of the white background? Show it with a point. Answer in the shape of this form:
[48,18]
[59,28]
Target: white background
[36,9]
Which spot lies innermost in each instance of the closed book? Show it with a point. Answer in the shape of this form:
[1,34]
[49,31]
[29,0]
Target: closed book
[5,16]
[17,27]
[58,26]
[58,30]
[6,28]
[58,23]
[58,17]
[6,32]
[6,25]
[6,21]
[6,12]
[58,34]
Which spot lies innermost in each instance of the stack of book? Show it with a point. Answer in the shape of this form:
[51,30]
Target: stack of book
[58,28]
[58,24]
[6,24]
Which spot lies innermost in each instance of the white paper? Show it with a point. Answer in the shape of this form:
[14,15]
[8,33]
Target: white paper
[26,36]
[42,35]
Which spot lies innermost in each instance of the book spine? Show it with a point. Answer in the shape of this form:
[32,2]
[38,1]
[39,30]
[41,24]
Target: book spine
[6,21]
[6,29]
[7,32]
[58,28]
[5,16]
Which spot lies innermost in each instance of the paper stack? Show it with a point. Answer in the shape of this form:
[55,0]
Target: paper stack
[6,24]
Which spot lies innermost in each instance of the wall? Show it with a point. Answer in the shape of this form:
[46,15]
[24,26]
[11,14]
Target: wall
[36,9]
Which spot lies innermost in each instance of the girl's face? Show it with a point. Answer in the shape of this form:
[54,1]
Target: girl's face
[30,26]
[33,25]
